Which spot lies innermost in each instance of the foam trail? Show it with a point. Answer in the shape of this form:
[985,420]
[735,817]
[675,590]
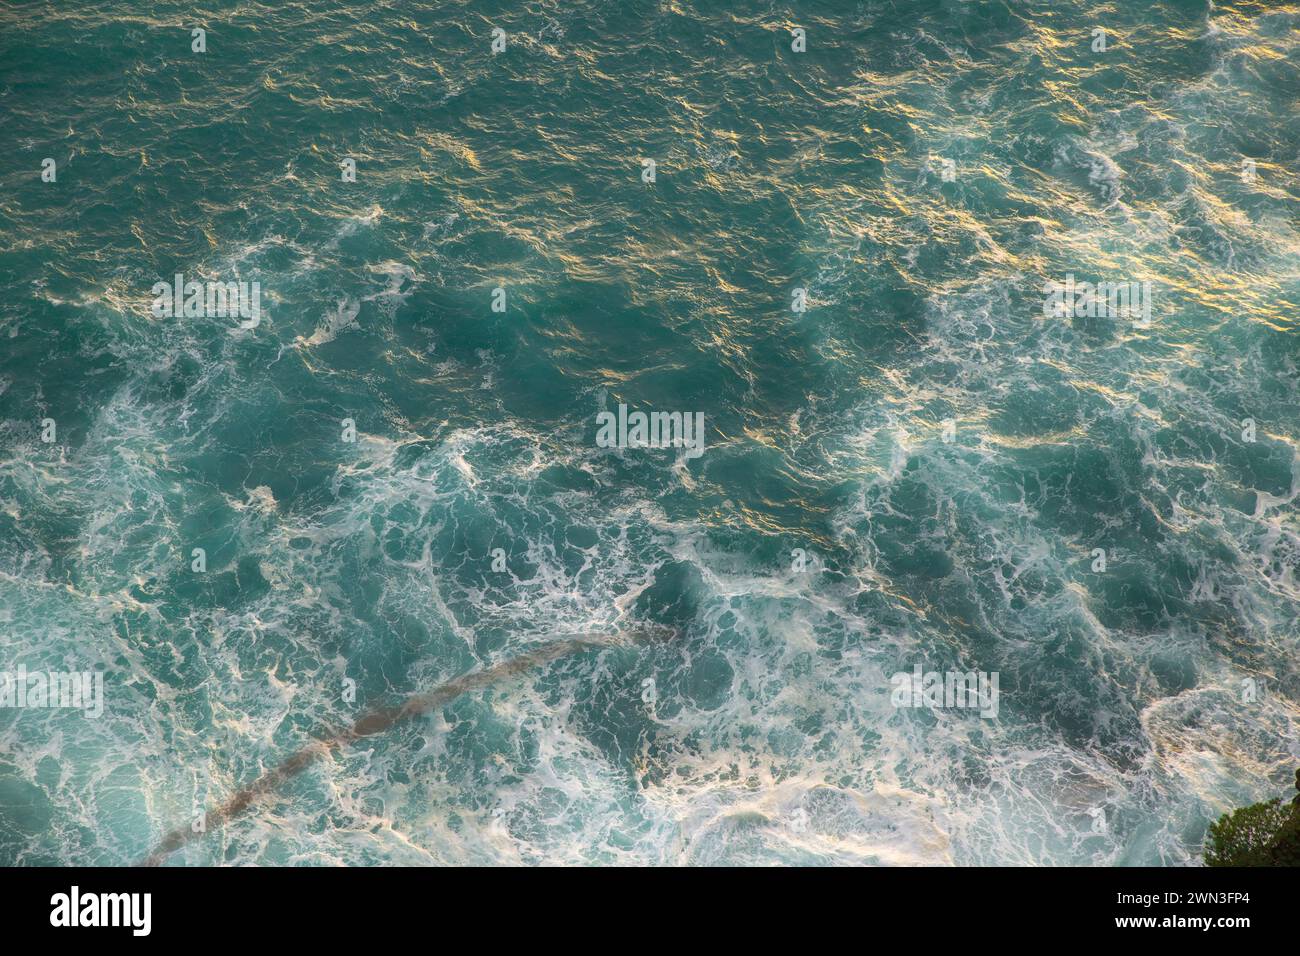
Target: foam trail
[381,719]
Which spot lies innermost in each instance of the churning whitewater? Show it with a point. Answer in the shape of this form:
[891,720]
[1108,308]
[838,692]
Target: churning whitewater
[900,398]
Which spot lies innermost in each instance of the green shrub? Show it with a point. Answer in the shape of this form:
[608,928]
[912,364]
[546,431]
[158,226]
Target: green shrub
[1263,834]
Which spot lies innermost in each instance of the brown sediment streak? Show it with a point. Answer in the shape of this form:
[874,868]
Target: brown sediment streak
[374,722]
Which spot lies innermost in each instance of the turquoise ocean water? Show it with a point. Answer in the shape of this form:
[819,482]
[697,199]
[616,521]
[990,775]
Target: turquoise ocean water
[921,170]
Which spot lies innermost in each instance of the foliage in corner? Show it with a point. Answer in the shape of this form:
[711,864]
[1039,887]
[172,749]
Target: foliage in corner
[1263,834]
